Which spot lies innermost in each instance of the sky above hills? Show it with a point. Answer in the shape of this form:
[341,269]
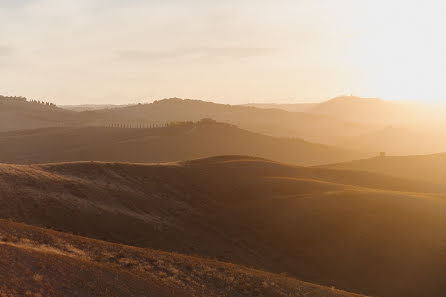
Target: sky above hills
[116,51]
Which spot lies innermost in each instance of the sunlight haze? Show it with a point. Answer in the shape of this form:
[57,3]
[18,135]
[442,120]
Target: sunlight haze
[78,51]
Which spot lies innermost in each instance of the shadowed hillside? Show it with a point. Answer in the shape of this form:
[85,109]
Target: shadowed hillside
[180,141]
[352,230]
[57,264]
[430,168]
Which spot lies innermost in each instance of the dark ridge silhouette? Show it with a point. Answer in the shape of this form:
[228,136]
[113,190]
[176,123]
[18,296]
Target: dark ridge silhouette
[348,229]
[87,267]
[174,142]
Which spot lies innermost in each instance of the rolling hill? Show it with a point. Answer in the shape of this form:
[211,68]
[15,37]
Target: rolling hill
[39,262]
[348,229]
[398,141]
[19,115]
[366,110]
[196,140]
[430,168]
[292,107]
[16,113]
[275,122]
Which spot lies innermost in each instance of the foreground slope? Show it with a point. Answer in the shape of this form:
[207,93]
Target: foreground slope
[431,168]
[38,262]
[352,230]
[196,140]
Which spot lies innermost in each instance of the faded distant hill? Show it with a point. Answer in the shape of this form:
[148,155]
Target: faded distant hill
[87,107]
[430,168]
[358,231]
[275,122]
[398,141]
[296,107]
[180,141]
[366,110]
[314,128]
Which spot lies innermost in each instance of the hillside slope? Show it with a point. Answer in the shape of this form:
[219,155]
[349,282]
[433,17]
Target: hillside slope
[38,262]
[352,230]
[430,168]
[398,141]
[365,110]
[19,114]
[196,140]
[275,122]
[293,107]
[22,114]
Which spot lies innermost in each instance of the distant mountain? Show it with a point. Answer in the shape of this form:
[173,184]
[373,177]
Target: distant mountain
[359,231]
[87,107]
[365,110]
[430,168]
[180,141]
[314,128]
[275,122]
[296,107]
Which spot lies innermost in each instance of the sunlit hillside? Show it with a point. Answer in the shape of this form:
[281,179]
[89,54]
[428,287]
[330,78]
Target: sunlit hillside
[251,212]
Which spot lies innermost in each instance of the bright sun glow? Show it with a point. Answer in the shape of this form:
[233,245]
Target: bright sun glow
[119,51]
[398,49]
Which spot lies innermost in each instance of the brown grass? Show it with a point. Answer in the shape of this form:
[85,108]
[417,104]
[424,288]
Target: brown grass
[45,262]
[357,231]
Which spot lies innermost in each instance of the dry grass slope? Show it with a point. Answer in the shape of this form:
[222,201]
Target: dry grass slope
[38,262]
[347,229]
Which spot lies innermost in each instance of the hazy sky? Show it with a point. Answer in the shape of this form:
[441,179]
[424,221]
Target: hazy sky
[118,51]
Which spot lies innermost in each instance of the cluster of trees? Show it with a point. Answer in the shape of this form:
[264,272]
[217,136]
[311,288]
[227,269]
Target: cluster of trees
[42,102]
[14,99]
[171,124]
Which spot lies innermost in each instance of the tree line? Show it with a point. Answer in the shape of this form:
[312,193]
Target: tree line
[20,99]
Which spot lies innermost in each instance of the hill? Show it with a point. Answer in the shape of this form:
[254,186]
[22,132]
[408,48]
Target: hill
[17,113]
[398,141]
[366,110]
[39,262]
[196,140]
[351,230]
[275,122]
[89,107]
[292,107]
[430,168]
